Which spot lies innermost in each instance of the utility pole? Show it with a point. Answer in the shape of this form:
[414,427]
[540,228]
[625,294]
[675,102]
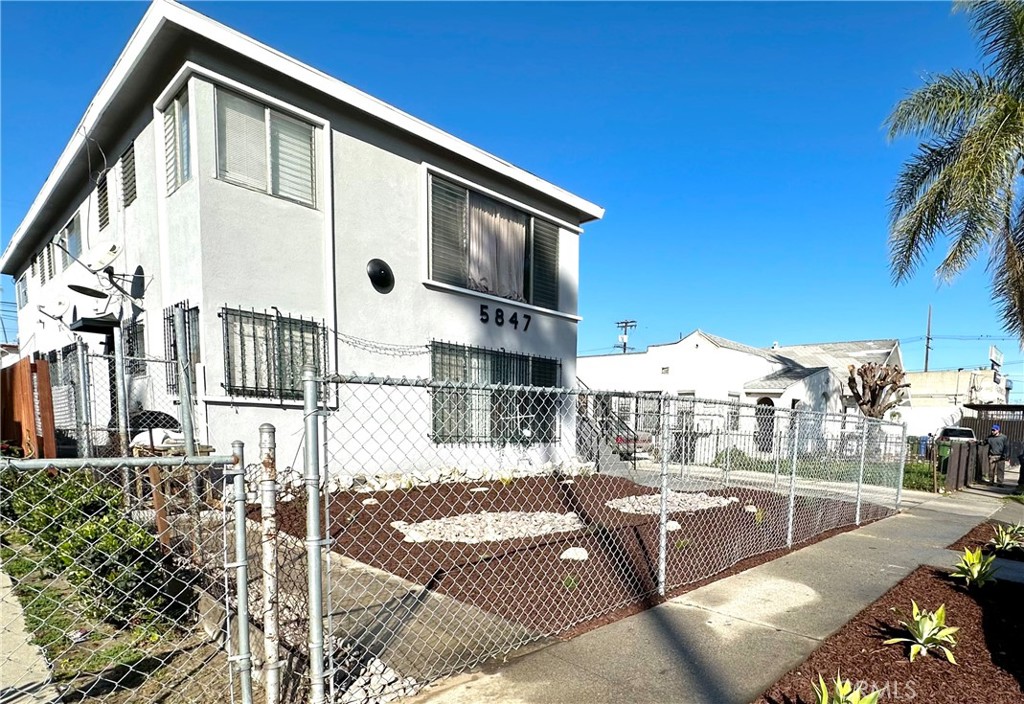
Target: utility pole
[928,338]
[625,326]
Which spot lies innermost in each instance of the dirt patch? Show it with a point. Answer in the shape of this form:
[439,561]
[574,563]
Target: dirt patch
[979,536]
[989,650]
[525,581]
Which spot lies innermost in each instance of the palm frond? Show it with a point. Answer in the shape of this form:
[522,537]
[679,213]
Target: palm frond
[999,27]
[1008,271]
[945,105]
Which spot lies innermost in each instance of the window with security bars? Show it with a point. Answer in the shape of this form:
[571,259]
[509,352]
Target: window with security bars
[265,353]
[177,150]
[493,416]
[71,241]
[135,347]
[486,245]
[264,150]
[103,202]
[171,348]
[128,187]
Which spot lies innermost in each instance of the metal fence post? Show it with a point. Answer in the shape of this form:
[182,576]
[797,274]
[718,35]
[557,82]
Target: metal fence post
[792,478]
[860,474]
[241,565]
[903,467]
[663,520]
[314,537]
[84,405]
[778,458]
[268,541]
[184,381]
[121,391]
[728,457]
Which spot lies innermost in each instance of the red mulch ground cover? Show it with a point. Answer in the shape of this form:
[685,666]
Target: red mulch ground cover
[524,580]
[989,650]
[979,536]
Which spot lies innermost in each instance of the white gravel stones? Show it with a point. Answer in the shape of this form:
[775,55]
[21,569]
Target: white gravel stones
[579,554]
[678,501]
[672,525]
[379,684]
[750,508]
[370,502]
[483,527]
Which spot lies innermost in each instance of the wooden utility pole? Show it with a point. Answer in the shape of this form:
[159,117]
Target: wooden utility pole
[625,326]
[928,338]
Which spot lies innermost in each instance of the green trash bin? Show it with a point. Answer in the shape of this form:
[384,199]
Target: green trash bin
[942,452]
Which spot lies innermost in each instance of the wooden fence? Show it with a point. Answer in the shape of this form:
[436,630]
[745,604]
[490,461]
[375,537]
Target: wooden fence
[26,408]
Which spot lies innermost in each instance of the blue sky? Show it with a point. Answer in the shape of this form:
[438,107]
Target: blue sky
[737,147]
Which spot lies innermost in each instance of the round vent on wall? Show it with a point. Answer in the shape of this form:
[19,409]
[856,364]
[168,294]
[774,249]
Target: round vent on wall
[381,276]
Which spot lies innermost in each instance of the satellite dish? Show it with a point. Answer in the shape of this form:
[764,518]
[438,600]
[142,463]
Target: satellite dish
[381,276]
[103,257]
[55,309]
[87,291]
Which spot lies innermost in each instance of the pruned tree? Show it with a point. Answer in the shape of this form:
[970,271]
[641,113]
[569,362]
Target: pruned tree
[876,388]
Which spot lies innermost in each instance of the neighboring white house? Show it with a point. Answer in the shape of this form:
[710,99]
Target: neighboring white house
[271,201]
[937,398]
[811,377]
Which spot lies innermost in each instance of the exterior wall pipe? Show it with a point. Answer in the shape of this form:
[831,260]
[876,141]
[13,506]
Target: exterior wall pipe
[241,565]
[314,538]
[84,405]
[268,542]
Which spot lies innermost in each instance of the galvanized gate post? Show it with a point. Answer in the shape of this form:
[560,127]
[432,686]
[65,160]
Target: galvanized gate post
[792,478]
[184,381]
[268,542]
[860,475]
[121,391]
[241,566]
[83,403]
[903,466]
[663,521]
[314,537]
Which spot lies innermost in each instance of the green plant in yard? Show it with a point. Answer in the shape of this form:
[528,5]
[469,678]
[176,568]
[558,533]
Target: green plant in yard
[1005,539]
[928,631]
[505,478]
[759,515]
[975,568]
[44,503]
[844,692]
[1017,531]
[736,459]
[123,569]
[683,543]
[571,582]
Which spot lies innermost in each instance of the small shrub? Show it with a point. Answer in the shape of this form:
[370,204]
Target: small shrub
[43,503]
[736,459]
[1005,539]
[505,479]
[683,543]
[121,566]
[928,631]
[974,568]
[571,582]
[844,693]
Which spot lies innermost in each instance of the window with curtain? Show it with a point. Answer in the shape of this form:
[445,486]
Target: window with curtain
[265,150]
[493,416]
[485,245]
[177,151]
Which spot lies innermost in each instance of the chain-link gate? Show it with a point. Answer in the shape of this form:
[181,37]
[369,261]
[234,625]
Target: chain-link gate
[462,521]
[119,580]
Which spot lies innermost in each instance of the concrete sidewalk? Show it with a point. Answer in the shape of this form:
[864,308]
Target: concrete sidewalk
[727,642]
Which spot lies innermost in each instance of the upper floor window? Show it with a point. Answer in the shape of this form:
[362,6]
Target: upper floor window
[176,142]
[71,241]
[103,201]
[485,245]
[262,149]
[21,291]
[264,354]
[128,189]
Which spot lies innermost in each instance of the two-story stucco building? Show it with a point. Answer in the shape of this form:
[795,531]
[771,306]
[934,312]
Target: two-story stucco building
[299,221]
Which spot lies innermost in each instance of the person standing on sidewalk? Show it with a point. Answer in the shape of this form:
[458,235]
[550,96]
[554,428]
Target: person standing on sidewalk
[998,446]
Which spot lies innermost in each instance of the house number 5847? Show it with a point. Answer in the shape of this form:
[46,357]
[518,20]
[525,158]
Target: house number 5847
[499,318]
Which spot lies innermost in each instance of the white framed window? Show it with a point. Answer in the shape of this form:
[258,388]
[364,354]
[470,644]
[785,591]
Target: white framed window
[128,187]
[71,240]
[482,244]
[265,150]
[21,291]
[47,267]
[177,150]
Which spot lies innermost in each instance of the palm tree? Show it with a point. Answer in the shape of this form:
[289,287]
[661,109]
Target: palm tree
[964,181]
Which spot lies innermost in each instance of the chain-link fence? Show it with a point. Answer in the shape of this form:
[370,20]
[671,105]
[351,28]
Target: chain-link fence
[463,521]
[120,580]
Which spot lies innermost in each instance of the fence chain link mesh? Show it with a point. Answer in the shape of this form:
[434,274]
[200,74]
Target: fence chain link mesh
[114,577]
[463,521]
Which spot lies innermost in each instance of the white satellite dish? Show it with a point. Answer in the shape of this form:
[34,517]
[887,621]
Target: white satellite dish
[56,308]
[101,257]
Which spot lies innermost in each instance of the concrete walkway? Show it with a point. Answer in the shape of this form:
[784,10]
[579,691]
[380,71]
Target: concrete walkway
[727,642]
[24,676]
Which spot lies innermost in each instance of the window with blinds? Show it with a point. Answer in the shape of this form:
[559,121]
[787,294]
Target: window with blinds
[177,153]
[265,150]
[103,202]
[479,243]
[128,188]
